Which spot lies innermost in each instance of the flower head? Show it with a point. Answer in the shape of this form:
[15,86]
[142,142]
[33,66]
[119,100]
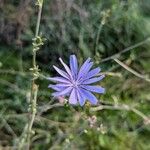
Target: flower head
[75,82]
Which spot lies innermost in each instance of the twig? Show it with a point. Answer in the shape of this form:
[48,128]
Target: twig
[139,113]
[6,124]
[115,74]
[131,70]
[122,107]
[98,36]
[14,72]
[51,122]
[45,108]
[37,118]
[105,15]
[8,127]
[125,50]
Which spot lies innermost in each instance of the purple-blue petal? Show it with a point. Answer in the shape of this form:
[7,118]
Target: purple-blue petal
[83,71]
[74,65]
[66,91]
[93,80]
[61,72]
[84,66]
[76,84]
[59,79]
[56,87]
[92,73]
[81,98]
[97,89]
[61,85]
[73,97]
[66,68]
[89,96]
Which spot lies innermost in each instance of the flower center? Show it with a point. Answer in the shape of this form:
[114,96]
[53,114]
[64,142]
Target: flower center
[75,84]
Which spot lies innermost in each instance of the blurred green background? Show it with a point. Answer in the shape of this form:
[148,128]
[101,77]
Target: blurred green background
[96,29]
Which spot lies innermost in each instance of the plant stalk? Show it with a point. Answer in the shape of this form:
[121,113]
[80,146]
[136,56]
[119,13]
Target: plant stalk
[34,86]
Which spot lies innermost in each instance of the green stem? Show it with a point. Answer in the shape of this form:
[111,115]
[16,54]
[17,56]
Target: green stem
[39,19]
[34,90]
[32,113]
[37,30]
[98,36]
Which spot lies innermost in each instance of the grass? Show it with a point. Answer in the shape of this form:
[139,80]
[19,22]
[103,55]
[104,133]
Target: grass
[78,30]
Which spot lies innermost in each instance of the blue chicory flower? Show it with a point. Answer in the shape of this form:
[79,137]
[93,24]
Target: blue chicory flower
[75,82]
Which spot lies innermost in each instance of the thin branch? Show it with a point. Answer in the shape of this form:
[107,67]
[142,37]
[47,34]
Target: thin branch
[123,107]
[8,127]
[37,118]
[114,74]
[105,15]
[6,124]
[45,108]
[132,71]
[126,50]
[139,113]
[14,72]
[98,35]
